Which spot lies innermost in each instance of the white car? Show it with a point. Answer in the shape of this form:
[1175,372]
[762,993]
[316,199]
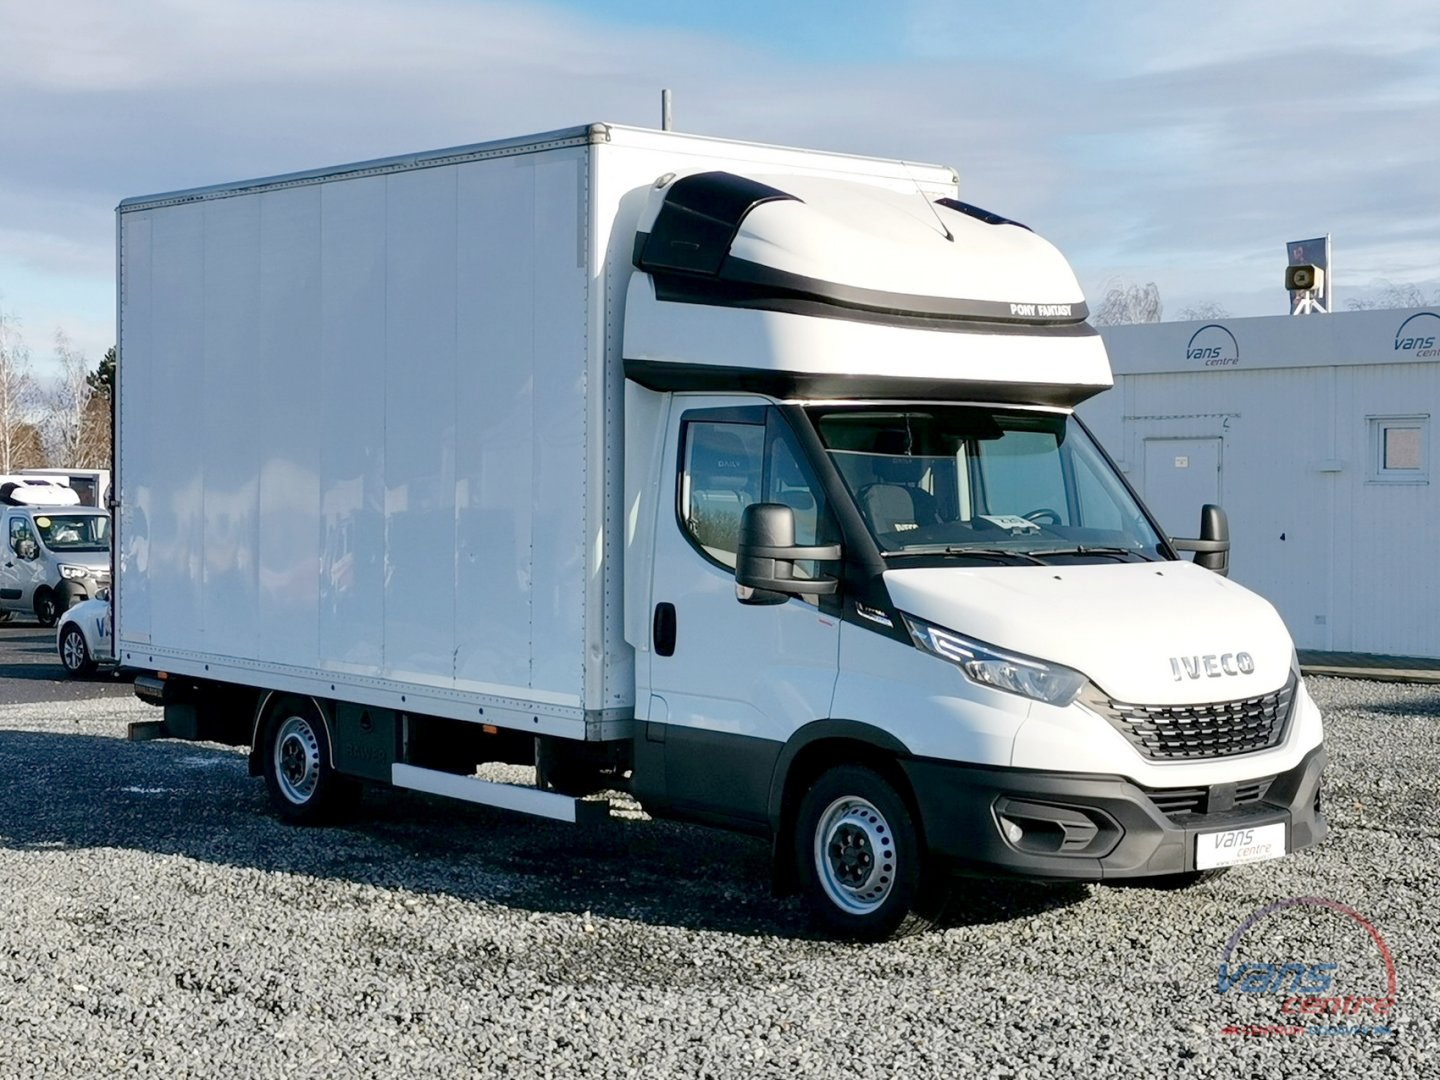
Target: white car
[83,638]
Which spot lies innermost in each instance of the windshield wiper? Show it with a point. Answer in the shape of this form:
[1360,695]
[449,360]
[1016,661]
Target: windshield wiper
[1083,550]
[983,553]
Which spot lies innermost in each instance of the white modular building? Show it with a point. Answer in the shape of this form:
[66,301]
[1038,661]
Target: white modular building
[1314,434]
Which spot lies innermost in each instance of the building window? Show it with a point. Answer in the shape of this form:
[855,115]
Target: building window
[1400,449]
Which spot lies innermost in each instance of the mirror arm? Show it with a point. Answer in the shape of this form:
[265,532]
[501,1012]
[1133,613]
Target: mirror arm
[1204,546]
[825,553]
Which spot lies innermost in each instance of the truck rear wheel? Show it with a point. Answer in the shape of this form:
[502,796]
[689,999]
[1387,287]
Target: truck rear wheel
[858,855]
[304,788]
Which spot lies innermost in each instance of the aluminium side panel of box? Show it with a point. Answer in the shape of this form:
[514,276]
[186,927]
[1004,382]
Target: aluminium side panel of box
[352,433]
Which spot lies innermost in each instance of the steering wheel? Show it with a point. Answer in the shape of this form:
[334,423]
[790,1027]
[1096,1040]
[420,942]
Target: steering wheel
[1039,516]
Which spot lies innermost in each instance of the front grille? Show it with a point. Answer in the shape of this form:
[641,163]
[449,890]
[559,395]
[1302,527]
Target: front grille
[1209,730]
[1182,802]
[1253,792]
[1176,802]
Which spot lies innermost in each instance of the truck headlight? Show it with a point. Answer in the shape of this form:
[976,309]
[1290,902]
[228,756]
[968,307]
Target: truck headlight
[74,572]
[1053,684]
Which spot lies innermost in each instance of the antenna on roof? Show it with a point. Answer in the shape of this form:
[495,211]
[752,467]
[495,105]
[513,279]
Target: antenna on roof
[664,110]
[921,192]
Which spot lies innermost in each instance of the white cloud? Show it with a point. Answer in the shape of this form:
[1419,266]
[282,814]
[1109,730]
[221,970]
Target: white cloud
[1183,150]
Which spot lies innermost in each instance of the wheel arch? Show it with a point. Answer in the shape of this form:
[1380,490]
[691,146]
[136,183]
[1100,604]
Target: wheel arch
[817,746]
[262,709]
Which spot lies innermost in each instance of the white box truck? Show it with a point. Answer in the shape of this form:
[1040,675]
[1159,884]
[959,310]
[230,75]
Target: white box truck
[745,479]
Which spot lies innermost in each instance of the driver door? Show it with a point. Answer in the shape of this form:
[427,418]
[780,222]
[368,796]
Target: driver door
[19,577]
[730,682]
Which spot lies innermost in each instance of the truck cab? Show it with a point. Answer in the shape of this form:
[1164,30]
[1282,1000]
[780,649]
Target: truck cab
[896,590]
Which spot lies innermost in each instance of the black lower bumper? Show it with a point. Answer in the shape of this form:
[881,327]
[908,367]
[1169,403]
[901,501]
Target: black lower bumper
[73,590]
[1082,827]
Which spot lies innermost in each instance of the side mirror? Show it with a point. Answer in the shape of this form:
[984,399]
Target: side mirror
[27,550]
[766,556]
[1212,550]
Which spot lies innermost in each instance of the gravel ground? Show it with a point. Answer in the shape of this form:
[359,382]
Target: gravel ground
[156,920]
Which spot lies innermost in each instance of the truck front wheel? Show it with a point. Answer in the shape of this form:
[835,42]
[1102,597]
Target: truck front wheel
[303,786]
[858,855]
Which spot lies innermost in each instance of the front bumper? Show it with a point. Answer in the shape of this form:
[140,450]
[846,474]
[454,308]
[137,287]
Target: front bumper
[1082,827]
[73,590]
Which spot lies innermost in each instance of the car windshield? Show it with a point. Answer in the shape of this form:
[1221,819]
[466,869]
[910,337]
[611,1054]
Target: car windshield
[1005,485]
[74,532]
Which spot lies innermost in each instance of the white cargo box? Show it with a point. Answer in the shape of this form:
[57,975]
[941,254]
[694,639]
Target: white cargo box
[369,438]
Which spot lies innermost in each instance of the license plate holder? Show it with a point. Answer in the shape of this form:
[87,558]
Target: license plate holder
[1234,847]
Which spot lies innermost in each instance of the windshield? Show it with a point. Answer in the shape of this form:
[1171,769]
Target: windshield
[1008,484]
[74,532]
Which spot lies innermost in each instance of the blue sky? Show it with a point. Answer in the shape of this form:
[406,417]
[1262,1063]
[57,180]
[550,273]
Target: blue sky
[1179,144]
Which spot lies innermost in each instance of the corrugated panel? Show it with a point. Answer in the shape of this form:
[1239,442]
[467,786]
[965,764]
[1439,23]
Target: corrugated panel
[1347,561]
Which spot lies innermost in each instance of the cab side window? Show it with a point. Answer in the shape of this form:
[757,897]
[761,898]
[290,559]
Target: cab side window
[790,482]
[721,474]
[19,532]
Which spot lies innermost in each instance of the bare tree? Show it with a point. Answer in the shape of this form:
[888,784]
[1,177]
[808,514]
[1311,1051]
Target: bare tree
[19,439]
[1205,312]
[77,424]
[1125,304]
[1389,295]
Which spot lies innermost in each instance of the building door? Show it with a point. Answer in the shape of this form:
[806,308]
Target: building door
[1181,475]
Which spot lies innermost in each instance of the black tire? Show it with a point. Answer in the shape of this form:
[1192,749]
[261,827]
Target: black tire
[295,757]
[74,653]
[47,608]
[569,771]
[858,856]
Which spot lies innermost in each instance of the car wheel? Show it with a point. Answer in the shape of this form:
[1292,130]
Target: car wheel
[46,609]
[304,788]
[858,855]
[74,653]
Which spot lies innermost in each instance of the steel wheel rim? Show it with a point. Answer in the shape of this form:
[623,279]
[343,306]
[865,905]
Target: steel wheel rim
[855,855]
[297,760]
[72,650]
[46,610]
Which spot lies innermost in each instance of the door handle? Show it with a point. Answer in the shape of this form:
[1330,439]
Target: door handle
[663,630]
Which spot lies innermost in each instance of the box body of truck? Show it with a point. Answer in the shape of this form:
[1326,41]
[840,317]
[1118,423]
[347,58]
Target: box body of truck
[370,424]
[742,478]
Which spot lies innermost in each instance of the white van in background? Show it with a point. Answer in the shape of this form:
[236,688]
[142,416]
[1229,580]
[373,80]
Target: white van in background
[53,557]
